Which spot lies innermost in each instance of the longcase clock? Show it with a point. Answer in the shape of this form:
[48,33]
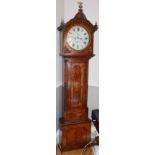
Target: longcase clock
[77,48]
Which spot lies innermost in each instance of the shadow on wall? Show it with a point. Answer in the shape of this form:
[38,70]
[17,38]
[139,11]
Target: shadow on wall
[58,105]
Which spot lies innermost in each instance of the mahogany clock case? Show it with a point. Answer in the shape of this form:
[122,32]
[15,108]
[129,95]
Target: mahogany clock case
[75,124]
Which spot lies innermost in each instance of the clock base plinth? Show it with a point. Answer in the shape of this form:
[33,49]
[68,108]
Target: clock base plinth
[75,135]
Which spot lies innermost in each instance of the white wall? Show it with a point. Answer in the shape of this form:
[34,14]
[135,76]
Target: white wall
[91,9]
[59,17]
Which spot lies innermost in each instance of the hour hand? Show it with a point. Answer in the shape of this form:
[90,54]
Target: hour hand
[81,39]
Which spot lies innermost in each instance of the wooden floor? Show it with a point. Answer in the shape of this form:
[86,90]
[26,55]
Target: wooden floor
[75,152]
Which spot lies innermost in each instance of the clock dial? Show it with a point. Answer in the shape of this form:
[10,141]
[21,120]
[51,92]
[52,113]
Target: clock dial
[78,38]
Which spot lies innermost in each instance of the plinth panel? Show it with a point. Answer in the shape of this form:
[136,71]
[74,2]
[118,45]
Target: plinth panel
[75,135]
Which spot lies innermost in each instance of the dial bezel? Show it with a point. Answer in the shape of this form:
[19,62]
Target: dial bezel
[87,27]
[78,50]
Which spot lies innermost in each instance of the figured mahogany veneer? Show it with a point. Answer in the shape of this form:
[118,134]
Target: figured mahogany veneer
[75,89]
[75,124]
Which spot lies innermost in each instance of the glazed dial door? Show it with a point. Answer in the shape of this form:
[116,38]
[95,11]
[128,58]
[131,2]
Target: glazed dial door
[78,38]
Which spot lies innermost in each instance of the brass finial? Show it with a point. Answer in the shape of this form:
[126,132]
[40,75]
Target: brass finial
[80,13]
[80,6]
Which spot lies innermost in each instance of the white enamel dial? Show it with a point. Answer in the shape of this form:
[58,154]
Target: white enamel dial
[78,38]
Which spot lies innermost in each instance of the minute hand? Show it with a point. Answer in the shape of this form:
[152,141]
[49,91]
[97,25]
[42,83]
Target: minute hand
[81,39]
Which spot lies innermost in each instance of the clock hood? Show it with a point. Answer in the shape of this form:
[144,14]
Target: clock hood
[78,20]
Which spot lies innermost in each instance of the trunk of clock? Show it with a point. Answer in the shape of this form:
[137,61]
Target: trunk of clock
[75,124]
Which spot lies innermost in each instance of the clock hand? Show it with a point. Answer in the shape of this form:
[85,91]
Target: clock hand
[81,39]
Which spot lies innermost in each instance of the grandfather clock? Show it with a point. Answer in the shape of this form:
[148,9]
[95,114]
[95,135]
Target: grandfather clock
[77,48]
